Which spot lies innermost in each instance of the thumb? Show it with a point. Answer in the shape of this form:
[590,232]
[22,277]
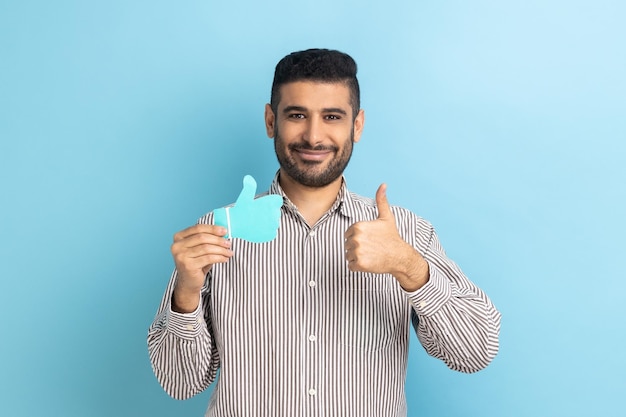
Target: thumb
[384,211]
[248,191]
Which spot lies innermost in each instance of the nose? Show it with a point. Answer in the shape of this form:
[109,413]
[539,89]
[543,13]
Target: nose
[313,131]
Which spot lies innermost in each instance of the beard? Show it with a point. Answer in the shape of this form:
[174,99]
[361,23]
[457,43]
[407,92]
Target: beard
[312,173]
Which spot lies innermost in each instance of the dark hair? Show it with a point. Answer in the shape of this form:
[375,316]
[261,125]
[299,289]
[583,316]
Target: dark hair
[321,65]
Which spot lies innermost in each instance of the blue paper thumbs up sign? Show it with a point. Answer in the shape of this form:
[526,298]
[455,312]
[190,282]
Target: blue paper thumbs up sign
[255,220]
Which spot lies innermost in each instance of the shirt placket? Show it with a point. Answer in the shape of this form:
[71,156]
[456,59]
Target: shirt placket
[311,321]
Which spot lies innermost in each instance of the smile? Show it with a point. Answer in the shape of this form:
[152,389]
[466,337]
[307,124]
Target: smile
[311,155]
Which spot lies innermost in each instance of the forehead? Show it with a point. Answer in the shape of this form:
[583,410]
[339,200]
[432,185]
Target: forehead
[314,95]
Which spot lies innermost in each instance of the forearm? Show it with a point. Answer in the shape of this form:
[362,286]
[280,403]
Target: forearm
[454,319]
[184,302]
[460,326]
[411,269]
[181,349]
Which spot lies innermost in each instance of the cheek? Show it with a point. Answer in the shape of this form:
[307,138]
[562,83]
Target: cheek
[289,131]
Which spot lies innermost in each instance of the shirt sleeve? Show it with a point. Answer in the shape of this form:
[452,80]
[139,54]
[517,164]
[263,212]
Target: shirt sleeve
[454,320]
[181,346]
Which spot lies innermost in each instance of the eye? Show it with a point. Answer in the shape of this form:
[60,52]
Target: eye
[296,116]
[333,117]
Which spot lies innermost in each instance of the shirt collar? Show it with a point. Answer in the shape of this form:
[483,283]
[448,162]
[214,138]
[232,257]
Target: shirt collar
[344,202]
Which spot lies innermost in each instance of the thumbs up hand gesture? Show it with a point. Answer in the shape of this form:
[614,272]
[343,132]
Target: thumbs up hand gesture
[255,220]
[377,247]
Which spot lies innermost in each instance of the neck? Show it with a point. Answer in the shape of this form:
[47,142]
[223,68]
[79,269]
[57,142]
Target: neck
[312,202]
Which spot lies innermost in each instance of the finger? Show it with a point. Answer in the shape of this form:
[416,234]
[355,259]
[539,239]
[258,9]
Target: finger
[182,247]
[200,229]
[384,210]
[201,264]
[204,250]
[185,262]
[348,255]
[350,244]
[353,265]
[248,191]
[207,268]
[208,260]
[352,230]
[201,239]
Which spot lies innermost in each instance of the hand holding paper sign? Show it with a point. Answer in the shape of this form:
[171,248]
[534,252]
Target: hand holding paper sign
[255,220]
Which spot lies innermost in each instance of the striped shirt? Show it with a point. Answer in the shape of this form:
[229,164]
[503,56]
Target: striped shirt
[293,332]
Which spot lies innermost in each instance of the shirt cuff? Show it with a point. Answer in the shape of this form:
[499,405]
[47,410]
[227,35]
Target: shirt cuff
[427,300]
[185,325]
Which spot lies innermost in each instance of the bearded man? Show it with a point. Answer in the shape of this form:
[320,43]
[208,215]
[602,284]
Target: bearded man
[315,322]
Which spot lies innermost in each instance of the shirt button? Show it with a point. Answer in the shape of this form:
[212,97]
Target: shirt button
[312,284]
[422,304]
[189,327]
[312,391]
[312,338]
[312,233]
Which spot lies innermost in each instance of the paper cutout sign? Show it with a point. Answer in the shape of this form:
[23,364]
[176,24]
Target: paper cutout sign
[254,220]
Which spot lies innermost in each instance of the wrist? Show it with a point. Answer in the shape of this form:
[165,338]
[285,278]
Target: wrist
[185,301]
[413,271]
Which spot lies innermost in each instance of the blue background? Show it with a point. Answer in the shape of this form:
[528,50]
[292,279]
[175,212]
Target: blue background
[502,122]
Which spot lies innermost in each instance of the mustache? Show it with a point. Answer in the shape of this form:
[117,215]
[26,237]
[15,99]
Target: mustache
[307,147]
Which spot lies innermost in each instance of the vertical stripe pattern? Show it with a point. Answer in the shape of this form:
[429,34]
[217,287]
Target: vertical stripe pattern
[293,332]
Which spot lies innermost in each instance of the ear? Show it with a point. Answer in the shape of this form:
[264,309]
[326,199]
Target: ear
[270,121]
[359,121]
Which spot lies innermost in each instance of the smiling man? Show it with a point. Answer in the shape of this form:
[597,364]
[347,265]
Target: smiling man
[315,322]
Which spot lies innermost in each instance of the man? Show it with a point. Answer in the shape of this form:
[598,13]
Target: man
[316,321]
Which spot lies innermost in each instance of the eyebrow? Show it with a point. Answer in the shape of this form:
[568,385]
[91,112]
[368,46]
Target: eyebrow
[290,109]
